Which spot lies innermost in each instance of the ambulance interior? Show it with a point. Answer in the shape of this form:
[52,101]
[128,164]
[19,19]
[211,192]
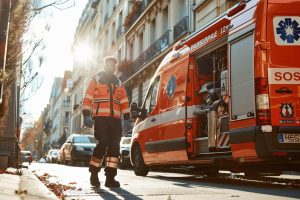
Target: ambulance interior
[210,70]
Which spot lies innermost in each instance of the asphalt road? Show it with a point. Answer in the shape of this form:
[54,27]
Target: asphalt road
[166,185]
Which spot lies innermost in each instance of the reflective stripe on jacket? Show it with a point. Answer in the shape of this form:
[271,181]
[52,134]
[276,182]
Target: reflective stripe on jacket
[104,98]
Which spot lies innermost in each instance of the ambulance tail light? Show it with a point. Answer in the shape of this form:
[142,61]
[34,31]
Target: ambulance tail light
[263,115]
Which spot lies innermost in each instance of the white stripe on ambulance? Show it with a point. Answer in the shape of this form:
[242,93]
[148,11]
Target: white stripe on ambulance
[165,118]
[284,76]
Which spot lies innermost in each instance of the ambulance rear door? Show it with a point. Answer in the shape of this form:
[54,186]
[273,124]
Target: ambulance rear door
[283,33]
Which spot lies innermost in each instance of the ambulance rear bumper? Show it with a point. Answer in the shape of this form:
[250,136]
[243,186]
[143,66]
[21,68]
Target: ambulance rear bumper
[270,145]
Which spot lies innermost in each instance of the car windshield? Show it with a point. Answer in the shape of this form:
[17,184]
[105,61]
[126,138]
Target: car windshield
[84,139]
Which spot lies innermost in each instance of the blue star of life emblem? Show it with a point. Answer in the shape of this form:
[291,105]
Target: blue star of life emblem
[288,30]
[171,86]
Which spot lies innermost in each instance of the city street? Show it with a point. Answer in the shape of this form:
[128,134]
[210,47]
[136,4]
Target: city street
[166,185]
[181,89]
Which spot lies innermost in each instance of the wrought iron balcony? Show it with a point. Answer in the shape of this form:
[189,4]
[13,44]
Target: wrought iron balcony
[181,28]
[157,47]
[145,57]
[119,32]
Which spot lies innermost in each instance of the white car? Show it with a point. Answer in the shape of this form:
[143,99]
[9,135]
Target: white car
[52,156]
[124,150]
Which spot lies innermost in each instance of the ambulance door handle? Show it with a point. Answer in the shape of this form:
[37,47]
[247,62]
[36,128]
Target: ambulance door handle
[284,90]
[153,120]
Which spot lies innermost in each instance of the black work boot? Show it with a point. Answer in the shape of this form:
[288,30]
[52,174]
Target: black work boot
[111,182]
[94,180]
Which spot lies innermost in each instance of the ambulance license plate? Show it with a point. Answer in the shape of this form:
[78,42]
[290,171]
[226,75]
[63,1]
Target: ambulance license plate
[288,138]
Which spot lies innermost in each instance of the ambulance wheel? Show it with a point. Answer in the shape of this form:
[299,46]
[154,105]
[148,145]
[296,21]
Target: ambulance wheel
[139,167]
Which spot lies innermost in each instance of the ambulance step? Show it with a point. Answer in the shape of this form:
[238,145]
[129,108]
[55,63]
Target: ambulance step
[223,154]
[201,144]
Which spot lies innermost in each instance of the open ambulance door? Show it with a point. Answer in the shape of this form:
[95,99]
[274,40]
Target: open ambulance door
[172,145]
[210,80]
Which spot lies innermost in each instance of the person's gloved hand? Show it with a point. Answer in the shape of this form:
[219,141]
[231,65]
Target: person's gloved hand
[88,121]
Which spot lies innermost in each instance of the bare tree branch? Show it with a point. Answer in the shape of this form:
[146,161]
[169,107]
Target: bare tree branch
[26,83]
[36,45]
[54,4]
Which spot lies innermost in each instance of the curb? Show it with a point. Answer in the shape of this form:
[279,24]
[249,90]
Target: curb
[32,188]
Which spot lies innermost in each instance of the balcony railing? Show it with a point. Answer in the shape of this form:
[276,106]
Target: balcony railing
[135,13]
[181,28]
[157,47]
[119,32]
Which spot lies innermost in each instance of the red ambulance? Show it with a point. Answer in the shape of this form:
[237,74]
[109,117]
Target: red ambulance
[227,96]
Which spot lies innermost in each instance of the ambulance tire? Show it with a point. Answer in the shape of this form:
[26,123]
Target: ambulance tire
[139,167]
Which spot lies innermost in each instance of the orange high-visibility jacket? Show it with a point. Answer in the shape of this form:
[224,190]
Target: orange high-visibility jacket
[105,98]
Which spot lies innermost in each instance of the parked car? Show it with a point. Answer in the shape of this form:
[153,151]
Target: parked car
[124,150]
[52,155]
[42,160]
[77,148]
[60,158]
[26,156]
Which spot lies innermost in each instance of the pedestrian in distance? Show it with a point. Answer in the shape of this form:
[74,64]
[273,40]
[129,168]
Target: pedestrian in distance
[104,104]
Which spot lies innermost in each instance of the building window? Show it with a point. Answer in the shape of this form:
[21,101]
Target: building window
[66,117]
[113,33]
[106,39]
[182,9]
[141,41]
[67,98]
[152,31]
[120,19]
[131,52]
[119,55]
[165,20]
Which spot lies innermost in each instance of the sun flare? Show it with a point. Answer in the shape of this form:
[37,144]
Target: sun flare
[83,53]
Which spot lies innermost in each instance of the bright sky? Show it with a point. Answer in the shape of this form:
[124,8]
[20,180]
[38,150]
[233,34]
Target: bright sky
[58,56]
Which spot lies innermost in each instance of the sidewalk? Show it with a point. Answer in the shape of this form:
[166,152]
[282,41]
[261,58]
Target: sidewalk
[25,187]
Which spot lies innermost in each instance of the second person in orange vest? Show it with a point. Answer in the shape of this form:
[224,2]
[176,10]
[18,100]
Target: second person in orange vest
[104,103]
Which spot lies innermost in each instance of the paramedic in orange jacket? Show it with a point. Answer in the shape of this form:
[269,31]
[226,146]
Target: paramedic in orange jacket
[104,103]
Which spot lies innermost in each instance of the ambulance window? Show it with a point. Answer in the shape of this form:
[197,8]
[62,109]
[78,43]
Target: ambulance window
[151,99]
